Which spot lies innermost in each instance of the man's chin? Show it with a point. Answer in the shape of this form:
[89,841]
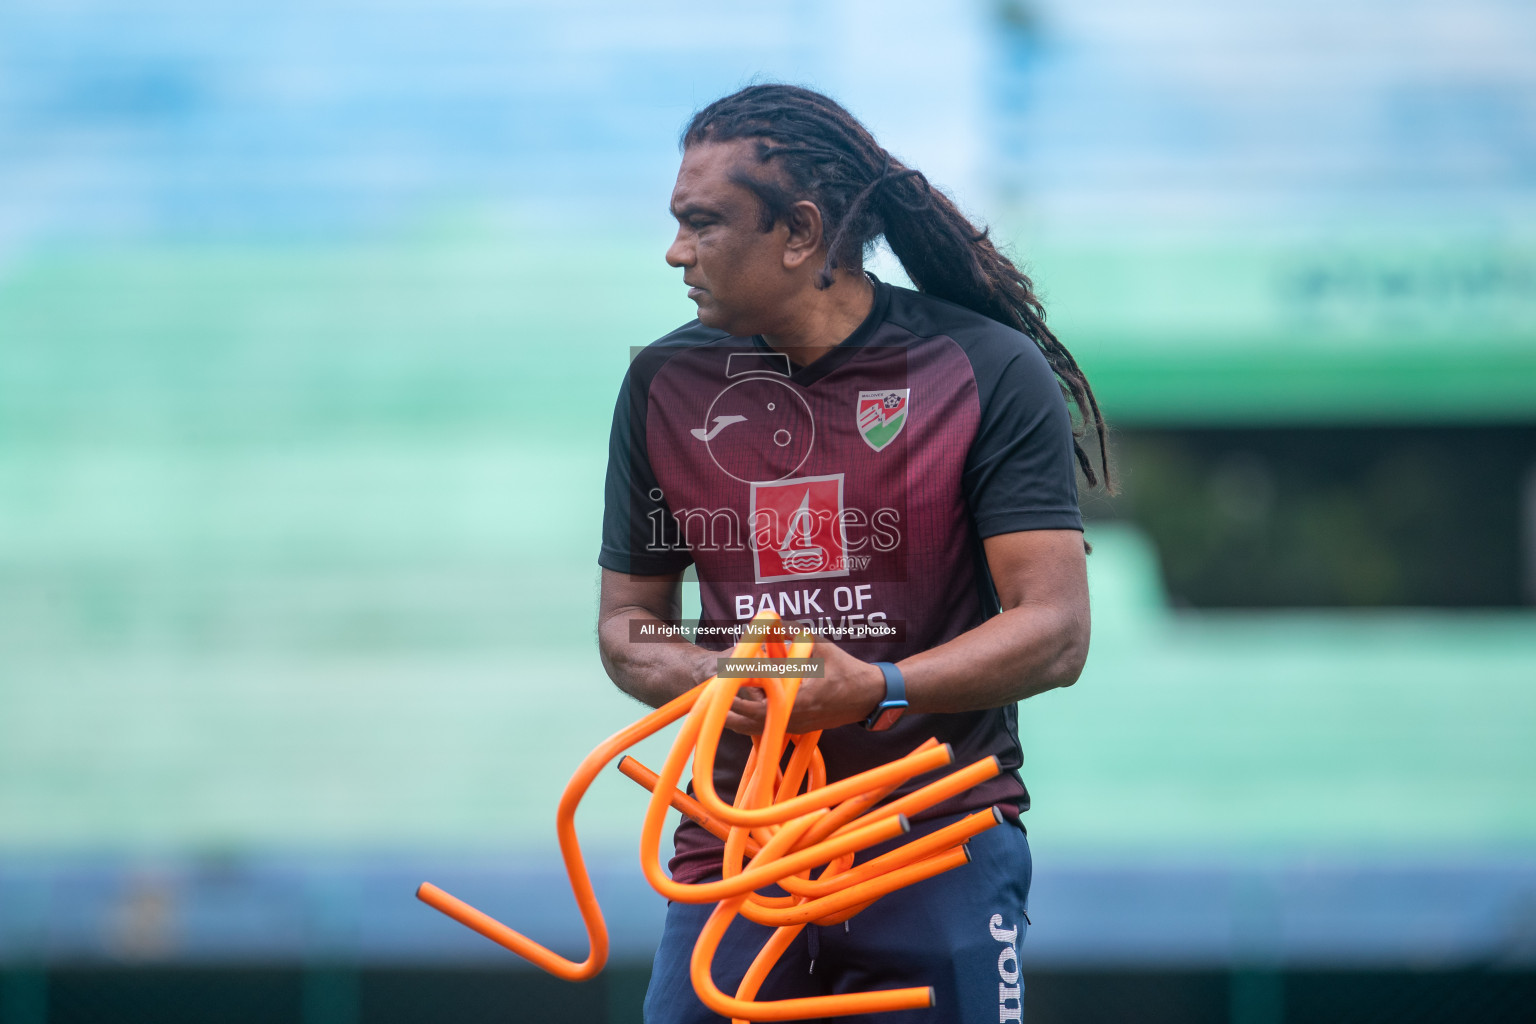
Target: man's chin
[708,314]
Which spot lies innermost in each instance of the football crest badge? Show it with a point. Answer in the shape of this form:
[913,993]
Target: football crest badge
[882,414]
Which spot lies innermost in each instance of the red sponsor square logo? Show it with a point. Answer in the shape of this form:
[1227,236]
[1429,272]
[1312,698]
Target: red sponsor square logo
[797,529]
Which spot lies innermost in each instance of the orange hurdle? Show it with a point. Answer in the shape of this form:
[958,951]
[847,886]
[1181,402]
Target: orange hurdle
[785,825]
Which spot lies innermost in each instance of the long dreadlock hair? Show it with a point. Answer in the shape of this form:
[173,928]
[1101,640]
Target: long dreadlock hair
[825,155]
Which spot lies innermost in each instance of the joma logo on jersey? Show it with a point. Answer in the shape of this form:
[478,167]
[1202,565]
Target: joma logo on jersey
[798,531]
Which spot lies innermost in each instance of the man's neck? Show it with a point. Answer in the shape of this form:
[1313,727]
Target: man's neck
[825,319]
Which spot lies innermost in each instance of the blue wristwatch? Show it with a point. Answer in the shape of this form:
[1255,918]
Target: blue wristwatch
[884,716]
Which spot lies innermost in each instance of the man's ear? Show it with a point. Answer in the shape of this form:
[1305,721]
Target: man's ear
[804,240]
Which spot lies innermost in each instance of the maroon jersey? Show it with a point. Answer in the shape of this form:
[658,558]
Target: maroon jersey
[851,494]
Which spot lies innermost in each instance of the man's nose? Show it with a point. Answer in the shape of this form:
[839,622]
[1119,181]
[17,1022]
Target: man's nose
[679,253]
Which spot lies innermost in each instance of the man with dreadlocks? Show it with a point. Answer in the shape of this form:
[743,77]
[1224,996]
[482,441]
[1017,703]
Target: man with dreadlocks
[894,468]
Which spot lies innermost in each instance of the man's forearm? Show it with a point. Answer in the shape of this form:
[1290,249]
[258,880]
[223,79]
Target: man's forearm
[653,673]
[1021,652]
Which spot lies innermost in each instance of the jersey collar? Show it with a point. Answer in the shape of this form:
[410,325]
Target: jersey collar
[805,376]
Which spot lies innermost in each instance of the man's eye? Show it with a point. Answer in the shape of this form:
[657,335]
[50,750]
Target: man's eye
[696,224]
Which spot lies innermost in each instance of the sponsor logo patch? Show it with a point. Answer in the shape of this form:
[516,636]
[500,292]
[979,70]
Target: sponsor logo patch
[797,529]
[881,415]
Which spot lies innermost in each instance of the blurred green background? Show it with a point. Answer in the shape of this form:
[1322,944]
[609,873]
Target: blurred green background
[311,319]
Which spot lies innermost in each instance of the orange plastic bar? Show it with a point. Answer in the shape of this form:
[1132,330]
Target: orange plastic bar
[762,774]
[570,850]
[759,875]
[855,806]
[718,705]
[799,764]
[783,835]
[953,834]
[924,846]
[634,769]
[851,912]
[763,963]
[950,785]
[900,770]
[842,1005]
[861,894]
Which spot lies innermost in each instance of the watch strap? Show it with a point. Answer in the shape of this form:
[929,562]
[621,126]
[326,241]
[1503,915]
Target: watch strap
[895,703]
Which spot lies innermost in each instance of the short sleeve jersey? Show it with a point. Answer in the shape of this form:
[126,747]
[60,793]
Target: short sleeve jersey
[851,494]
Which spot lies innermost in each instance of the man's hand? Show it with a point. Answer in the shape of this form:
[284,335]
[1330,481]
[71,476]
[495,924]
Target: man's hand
[657,672]
[847,692]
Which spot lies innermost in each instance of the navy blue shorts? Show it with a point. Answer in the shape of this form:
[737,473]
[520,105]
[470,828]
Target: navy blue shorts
[959,932]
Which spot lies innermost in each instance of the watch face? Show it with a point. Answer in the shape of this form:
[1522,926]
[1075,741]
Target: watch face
[886,717]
